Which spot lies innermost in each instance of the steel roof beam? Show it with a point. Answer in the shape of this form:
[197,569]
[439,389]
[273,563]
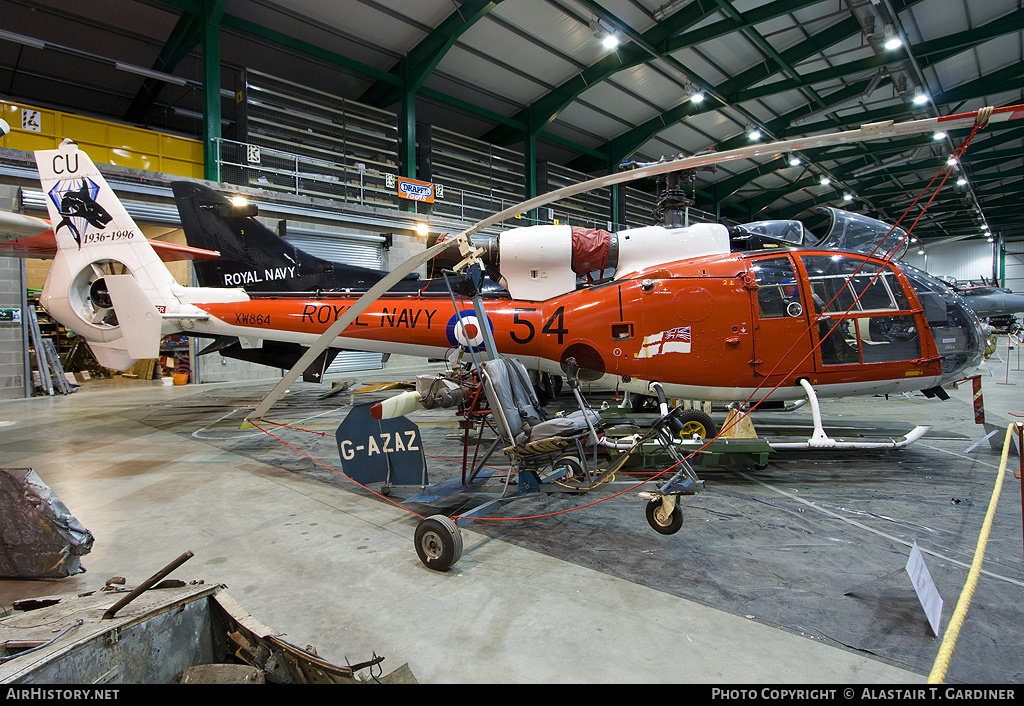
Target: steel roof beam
[657,41]
[547,107]
[186,36]
[628,142]
[989,84]
[416,66]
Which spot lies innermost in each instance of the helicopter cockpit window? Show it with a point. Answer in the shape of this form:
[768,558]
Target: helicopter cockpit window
[861,307]
[840,283]
[779,292]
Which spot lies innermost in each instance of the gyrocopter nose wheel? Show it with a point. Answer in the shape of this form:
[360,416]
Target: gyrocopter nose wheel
[664,515]
[438,542]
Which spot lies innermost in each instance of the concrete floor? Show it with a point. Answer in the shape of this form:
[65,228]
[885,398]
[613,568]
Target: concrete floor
[337,569]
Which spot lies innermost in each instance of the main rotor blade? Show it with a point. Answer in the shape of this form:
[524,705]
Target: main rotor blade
[866,132]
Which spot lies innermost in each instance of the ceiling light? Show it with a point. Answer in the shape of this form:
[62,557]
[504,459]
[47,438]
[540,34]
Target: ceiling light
[984,226]
[753,133]
[920,252]
[920,97]
[608,39]
[22,39]
[825,181]
[149,73]
[697,96]
[939,136]
[990,239]
[422,228]
[951,161]
[961,181]
[847,197]
[794,160]
[892,40]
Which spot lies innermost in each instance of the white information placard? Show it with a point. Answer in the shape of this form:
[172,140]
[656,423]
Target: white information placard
[927,592]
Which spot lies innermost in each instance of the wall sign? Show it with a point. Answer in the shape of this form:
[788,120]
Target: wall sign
[412,189]
[31,120]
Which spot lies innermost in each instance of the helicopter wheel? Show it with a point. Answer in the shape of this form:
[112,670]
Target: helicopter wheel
[664,522]
[438,542]
[697,422]
[644,403]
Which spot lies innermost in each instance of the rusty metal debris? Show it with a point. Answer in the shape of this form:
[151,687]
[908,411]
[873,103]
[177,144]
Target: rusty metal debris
[200,632]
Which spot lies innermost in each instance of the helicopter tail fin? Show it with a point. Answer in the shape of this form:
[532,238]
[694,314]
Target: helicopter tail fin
[106,282]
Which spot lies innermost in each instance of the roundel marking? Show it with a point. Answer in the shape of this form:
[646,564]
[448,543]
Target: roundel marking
[464,330]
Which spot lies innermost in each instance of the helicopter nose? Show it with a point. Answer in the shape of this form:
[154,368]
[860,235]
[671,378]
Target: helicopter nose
[958,333]
[960,340]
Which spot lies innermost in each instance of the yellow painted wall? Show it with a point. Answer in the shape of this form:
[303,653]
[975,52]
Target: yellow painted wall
[106,143]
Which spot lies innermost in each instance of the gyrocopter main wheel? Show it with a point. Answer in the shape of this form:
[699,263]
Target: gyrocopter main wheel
[662,520]
[438,542]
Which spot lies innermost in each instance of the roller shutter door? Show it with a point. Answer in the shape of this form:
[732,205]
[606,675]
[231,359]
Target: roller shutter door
[351,251]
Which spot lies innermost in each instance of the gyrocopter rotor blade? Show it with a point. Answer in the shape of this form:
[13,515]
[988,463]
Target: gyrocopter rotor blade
[867,132]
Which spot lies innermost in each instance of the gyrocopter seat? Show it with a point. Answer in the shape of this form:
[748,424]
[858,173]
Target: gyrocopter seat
[532,441]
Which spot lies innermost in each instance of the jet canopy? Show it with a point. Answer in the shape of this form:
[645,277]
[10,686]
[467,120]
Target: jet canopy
[858,233]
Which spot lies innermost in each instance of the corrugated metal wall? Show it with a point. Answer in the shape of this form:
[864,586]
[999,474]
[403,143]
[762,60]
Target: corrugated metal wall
[1015,266]
[35,128]
[963,260]
[337,248]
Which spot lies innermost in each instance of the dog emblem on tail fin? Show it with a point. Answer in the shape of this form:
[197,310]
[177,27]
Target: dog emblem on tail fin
[78,206]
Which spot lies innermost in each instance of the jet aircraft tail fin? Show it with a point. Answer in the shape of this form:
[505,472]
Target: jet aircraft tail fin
[253,256]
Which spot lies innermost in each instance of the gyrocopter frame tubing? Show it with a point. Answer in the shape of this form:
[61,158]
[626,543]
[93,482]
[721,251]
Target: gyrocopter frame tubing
[869,131]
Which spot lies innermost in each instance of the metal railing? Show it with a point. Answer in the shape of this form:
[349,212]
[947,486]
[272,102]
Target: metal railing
[366,184]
